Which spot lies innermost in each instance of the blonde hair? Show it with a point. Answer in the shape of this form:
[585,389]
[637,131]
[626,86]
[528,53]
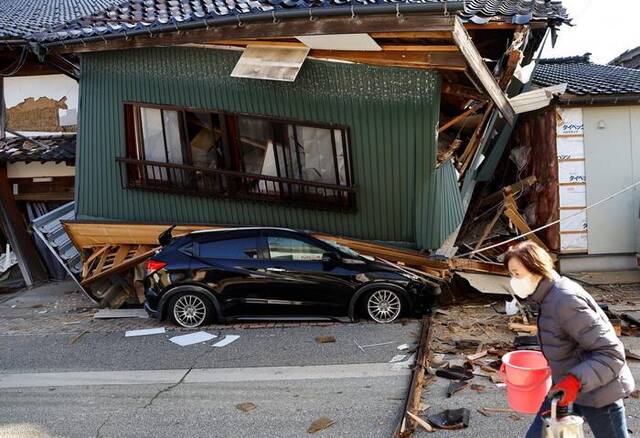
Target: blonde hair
[533,257]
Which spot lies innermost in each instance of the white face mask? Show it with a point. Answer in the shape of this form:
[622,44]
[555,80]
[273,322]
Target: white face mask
[523,287]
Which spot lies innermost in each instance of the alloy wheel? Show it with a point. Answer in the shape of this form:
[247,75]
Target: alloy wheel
[384,306]
[190,311]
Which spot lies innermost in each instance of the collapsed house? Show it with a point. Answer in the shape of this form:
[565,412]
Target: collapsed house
[573,159]
[37,154]
[368,122]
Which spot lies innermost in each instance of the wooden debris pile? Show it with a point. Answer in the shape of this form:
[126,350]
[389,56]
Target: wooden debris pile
[500,219]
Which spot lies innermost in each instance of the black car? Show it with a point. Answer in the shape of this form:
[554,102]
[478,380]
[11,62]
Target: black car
[275,273]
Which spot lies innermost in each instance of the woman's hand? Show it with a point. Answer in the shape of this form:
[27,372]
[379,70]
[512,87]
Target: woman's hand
[569,388]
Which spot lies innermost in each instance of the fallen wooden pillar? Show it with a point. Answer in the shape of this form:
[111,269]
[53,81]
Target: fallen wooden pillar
[407,425]
[15,230]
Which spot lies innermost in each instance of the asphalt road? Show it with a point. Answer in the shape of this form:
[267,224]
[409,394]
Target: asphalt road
[103,384]
[360,407]
[254,348]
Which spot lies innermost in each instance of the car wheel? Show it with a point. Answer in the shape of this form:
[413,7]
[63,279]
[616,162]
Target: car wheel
[190,309]
[384,305]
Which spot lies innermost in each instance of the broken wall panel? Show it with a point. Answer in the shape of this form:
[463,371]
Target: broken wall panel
[41,104]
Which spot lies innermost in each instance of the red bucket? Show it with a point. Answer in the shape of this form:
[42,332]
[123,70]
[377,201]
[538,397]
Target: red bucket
[528,378]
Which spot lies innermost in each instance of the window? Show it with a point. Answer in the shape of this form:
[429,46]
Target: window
[240,248]
[286,248]
[214,153]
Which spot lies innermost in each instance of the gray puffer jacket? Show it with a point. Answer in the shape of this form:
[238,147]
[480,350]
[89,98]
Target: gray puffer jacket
[576,337]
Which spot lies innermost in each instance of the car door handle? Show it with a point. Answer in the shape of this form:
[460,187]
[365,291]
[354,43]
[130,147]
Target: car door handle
[276,270]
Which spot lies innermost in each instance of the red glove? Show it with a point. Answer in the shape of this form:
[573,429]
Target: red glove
[569,387]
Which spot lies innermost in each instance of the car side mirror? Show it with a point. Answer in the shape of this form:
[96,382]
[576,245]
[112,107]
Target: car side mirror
[330,259]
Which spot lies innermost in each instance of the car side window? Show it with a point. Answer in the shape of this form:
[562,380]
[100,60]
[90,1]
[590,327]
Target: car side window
[239,248]
[287,248]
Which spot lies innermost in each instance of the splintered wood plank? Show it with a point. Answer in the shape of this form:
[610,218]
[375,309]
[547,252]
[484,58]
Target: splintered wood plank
[427,60]
[86,266]
[129,263]
[522,226]
[121,254]
[460,117]
[480,70]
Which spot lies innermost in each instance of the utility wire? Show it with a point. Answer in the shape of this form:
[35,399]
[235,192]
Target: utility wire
[550,223]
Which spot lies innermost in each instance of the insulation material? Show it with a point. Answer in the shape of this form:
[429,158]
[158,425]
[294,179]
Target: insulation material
[272,63]
[574,242]
[570,148]
[573,220]
[573,196]
[488,283]
[571,172]
[569,121]
[572,179]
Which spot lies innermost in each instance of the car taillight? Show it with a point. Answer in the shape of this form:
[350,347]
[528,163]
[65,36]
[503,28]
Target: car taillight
[154,265]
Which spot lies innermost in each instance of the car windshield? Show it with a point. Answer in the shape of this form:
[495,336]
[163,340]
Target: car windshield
[343,249]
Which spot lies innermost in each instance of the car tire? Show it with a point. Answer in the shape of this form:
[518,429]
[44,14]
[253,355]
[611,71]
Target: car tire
[190,309]
[384,305]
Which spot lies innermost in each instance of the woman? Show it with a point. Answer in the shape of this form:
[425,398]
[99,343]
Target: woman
[586,357]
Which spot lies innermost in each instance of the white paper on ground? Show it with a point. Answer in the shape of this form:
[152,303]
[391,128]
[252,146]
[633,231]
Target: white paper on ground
[144,332]
[406,346]
[192,338]
[408,363]
[226,341]
[397,358]
[511,307]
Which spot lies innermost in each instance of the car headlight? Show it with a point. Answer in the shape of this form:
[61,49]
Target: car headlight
[410,276]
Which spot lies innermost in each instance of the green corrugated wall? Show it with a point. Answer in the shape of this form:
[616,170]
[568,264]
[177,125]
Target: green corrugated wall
[391,112]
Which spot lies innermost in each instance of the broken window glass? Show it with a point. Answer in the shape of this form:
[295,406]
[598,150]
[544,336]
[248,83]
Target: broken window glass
[161,141]
[206,148]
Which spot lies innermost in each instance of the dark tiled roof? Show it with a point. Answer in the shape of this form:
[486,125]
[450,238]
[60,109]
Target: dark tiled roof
[148,15]
[20,18]
[586,78]
[629,59]
[56,148]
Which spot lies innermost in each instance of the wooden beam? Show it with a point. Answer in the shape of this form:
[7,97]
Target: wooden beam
[462,91]
[44,197]
[462,264]
[435,60]
[266,29]
[511,211]
[460,117]
[15,230]
[428,34]
[514,188]
[480,70]
[384,47]
[474,141]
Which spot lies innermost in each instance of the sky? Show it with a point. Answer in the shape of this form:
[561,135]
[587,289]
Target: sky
[606,28]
